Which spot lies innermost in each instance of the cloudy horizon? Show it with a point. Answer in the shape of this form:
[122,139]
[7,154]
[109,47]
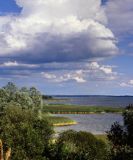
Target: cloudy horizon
[68,46]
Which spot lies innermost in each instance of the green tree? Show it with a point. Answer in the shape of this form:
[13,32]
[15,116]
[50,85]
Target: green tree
[27,98]
[72,145]
[4,98]
[24,89]
[26,134]
[11,88]
[121,137]
[23,99]
[36,98]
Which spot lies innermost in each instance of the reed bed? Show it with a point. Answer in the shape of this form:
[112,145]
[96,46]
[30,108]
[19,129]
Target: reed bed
[74,109]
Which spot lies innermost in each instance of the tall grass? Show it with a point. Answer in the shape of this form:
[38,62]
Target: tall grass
[58,121]
[74,109]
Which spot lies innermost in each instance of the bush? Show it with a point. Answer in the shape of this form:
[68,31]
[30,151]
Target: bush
[72,145]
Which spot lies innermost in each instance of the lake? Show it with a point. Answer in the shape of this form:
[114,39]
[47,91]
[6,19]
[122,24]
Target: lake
[94,123]
[111,101]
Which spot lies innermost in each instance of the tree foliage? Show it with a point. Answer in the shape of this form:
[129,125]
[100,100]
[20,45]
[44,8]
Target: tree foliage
[25,133]
[11,88]
[72,145]
[20,126]
[25,97]
[121,137]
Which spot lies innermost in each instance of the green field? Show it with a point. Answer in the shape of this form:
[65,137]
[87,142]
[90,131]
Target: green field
[74,109]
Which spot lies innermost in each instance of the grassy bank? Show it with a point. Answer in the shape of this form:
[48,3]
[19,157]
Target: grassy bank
[59,121]
[74,109]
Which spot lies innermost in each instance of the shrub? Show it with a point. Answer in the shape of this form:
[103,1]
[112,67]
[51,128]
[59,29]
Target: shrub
[72,145]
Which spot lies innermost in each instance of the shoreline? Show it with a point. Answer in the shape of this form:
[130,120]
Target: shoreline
[85,113]
[54,110]
[65,124]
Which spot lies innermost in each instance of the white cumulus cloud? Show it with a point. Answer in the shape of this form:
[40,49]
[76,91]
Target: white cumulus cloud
[91,72]
[61,30]
[16,64]
[71,76]
[127,84]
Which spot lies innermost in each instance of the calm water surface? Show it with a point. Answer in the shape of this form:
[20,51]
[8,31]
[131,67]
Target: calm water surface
[109,101]
[94,123]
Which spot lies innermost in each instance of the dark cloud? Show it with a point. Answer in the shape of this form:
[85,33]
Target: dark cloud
[78,47]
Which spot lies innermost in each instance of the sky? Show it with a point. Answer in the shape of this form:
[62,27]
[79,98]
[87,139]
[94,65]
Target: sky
[68,47]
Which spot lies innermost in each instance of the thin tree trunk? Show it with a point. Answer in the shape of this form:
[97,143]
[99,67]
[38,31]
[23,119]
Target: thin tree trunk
[8,154]
[1,150]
